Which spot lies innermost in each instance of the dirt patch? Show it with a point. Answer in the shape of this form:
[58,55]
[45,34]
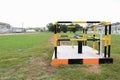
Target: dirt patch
[39,68]
[51,40]
[38,61]
[93,69]
[45,55]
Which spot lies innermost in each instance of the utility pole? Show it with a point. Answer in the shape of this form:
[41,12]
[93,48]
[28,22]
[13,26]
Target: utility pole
[23,26]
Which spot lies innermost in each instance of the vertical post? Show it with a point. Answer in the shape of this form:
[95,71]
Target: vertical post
[94,34]
[105,46]
[58,34]
[83,36]
[79,47]
[93,45]
[105,50]
[109,40]
[109,50]
[99,47]
[101,32]
[55,40]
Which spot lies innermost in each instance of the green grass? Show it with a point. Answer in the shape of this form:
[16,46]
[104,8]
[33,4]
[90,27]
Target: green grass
[28,57]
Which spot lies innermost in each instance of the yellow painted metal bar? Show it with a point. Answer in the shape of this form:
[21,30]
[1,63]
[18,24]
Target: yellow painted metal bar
[94,30]
[102,39]
[93,45]
[55,40]
[109,39]
[105,43]
[71,26]
[55,23]
[105,39]
[81,39]
[58,35]
[105,23]
[79,21]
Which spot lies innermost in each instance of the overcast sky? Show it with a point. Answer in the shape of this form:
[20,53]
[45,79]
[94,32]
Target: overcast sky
[38,13]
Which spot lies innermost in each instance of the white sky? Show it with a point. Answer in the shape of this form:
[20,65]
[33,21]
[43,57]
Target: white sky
[38,13]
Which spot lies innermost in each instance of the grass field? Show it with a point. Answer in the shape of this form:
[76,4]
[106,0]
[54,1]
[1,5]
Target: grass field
[28,57]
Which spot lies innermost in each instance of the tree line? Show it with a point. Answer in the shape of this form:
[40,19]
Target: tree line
[64,28]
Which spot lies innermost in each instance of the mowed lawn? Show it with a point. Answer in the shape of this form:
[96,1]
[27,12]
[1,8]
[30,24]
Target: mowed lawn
[28,57]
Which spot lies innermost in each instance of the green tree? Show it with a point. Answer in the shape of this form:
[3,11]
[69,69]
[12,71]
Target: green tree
[63,28]
[50,27]
[77,27]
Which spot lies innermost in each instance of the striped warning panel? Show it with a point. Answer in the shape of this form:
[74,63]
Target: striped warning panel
[56,62]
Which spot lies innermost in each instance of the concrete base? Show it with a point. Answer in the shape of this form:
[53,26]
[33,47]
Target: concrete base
[69,55]
[69,52]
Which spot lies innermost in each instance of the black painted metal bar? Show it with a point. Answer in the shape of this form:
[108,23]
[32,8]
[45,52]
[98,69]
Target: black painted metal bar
[79,47]
[109,46]
[92,39]
[99,47]
[105,29]
[55,52]
[55,29]
[64,21]
[93,21]
[63,39]
[83,33]
[55,46]
[105,47]
[105,51]
[109,50]
[86,33]
[110,29]
[78,22]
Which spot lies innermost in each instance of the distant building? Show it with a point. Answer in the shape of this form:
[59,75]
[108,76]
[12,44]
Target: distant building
[30,31]
[17,30]
[4,27]
[115,28]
